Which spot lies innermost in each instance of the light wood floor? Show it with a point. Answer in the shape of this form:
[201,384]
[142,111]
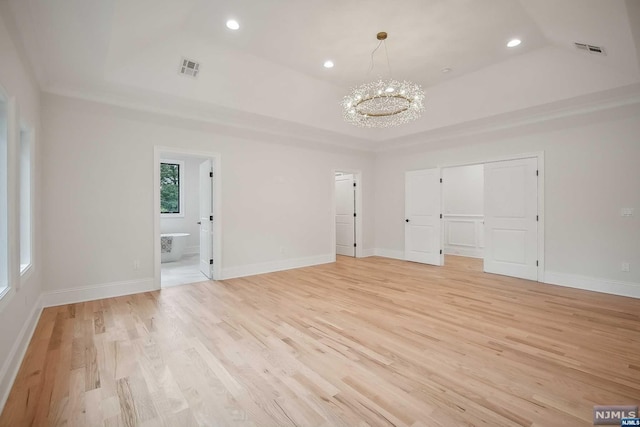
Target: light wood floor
[360,342]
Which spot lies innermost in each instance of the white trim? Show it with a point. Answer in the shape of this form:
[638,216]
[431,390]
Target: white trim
[357,178]
[389,253]
[271,266]
[6,295]
[607,286]
[368,252]
[96,292]
[11,366]
[466,252]
[12,243]
[192,250]
[158,152]
[578,106]
[29,133]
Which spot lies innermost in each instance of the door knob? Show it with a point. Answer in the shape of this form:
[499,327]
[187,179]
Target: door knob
[199,223]
[406,220]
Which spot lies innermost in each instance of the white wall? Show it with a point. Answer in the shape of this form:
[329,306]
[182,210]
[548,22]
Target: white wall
[463,207]
[276,198]
[463,190]
[591,171]
[189,222]
[20,309]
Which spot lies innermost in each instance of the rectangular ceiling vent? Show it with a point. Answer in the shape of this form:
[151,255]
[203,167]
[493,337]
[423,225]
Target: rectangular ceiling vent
[189,67]
[598,50]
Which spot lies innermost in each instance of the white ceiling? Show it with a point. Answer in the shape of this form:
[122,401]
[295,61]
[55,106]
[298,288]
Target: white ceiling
[269,73]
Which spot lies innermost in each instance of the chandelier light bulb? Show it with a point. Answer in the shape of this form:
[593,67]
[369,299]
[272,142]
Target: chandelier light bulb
[232,24]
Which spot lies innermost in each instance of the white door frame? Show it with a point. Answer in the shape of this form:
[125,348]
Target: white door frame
[158,152]
[538,155]
[357,176]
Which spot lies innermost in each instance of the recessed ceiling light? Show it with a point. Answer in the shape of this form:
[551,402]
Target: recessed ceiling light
[446,70]
[232,24]
[514,43]
[328,64]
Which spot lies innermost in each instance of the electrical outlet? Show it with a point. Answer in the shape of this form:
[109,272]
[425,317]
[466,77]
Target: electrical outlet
[625,267]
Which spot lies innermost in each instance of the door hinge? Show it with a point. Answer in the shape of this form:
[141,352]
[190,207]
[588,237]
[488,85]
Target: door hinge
[210,262]
[536,172]
[440,251]
[210,217]
[354,245]
[536,263]
[210,174]
[440,215]
[354,214]
[354,184]
[537,218]
[440,180]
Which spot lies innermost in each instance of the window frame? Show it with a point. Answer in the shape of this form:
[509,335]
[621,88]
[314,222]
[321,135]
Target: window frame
[8,289]
[26,142]
[180,164]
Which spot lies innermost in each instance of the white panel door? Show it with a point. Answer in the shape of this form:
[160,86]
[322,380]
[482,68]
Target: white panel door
[511,209]
[345,215]
[422,235]
[206,218]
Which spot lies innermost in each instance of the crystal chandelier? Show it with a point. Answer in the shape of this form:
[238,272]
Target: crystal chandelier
[383,103]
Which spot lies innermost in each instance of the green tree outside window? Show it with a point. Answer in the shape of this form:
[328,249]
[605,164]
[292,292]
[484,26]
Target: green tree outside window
[169,188]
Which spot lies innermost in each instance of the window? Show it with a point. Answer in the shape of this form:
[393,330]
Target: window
[4,202]
[25,199]
[171,194]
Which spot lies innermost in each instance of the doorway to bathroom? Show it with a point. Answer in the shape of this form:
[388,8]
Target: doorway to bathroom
[187,231]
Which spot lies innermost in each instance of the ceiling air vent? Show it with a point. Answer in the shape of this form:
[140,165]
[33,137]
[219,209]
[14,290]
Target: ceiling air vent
[189,67]
[599,50]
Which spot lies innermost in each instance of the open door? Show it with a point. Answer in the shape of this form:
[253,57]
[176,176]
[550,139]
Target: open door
[206,218]
[422,236]
[510,215]
[345,215]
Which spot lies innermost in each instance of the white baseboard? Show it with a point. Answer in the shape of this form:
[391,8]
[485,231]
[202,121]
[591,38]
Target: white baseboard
[459,251]
[90,293]
[368,252]
[10,367]
[192,250]
[269,267]
[627,289]
[389,253]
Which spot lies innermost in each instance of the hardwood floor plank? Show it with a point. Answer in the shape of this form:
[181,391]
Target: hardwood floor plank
[358,342]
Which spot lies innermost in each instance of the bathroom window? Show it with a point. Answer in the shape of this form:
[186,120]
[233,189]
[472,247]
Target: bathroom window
[171,188]
[26,216]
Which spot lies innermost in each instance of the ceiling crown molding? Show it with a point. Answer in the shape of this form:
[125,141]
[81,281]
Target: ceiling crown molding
[580,105]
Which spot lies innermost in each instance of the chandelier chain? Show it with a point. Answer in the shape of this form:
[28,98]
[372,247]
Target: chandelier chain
[372,53]
[388,63]
[386,53]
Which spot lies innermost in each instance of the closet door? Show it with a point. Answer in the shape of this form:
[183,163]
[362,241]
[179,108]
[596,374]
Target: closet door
[422,229]
[511,209]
